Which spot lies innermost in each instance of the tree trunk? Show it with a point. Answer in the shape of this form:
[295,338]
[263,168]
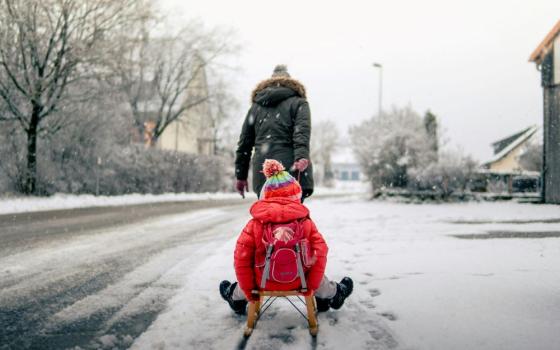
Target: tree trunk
[31,170]
[154,140]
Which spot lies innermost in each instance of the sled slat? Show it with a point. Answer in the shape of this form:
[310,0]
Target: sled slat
[270,293]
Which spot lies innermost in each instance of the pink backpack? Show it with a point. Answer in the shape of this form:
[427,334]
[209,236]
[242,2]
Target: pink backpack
[287,253]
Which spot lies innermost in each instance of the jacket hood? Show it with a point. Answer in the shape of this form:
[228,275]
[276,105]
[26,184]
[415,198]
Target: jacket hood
[272,91]
[278,210]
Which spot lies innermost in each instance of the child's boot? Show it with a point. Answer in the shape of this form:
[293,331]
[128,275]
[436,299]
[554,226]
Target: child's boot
[343,290]
[323,305]
[226,291]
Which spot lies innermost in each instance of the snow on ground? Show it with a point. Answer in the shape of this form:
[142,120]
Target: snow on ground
[344,187]
[12,205]
[416,287]
[449,293]
[160,252]
[197,318]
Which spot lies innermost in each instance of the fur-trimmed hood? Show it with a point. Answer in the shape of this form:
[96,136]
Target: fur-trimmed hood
[278,83]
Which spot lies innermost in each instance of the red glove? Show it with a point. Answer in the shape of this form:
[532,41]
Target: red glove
[301,164]
[241,186]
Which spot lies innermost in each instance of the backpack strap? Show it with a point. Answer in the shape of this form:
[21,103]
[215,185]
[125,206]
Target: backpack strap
[267,239]
[300,269]
[301,233]
[300,228]
[266,270]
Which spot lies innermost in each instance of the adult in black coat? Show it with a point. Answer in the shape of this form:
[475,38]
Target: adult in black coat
[277,126]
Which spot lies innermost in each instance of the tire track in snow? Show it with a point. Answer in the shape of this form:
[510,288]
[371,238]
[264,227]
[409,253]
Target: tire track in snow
[197,317]
[48,282]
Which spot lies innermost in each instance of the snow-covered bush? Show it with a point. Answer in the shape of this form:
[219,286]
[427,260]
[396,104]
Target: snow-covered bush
[131,169]
[12,160]
[453,172]
[135,169]
[94,148]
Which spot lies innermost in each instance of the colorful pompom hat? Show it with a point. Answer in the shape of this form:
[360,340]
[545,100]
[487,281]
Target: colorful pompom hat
[279,183]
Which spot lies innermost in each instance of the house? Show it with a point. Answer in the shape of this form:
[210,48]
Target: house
[508,150]
[547,59]
[504,173]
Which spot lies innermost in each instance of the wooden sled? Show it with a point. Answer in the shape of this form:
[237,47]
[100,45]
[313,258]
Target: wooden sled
[258,308]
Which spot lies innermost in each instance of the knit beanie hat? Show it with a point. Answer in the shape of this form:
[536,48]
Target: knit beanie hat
[280,71]
[279,183]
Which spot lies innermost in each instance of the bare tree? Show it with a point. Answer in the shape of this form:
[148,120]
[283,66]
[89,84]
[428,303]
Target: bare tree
[46,48]
[324,142]
[162,76]
[225,108]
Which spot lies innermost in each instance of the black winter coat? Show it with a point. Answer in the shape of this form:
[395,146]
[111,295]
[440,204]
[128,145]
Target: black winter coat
[277,126]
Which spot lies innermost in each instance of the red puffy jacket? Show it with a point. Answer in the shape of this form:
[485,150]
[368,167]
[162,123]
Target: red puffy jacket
[251,250]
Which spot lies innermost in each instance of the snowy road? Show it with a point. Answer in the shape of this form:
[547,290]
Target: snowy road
[450,276]
[69,277]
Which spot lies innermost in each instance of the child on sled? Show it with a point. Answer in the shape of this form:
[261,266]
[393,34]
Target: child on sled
[279,221]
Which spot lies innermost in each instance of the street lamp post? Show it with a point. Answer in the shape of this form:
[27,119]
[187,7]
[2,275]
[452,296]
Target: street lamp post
[380,67]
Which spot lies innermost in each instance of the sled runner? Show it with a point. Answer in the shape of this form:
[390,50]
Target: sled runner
[258,308]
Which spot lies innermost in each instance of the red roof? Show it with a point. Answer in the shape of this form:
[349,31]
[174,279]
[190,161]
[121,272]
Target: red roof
[545,45]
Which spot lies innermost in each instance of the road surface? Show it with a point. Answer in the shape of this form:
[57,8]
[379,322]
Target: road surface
[49,261]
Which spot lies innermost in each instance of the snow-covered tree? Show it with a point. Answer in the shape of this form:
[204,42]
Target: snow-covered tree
[65,66]
[47,49]
[431,125]
[389,145]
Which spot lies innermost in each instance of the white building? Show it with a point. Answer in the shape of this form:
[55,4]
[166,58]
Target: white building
[345,167]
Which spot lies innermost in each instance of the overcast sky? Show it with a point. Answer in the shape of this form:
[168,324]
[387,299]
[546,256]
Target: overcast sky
[464,60]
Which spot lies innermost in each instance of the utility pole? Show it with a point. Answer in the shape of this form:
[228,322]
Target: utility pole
[380,67]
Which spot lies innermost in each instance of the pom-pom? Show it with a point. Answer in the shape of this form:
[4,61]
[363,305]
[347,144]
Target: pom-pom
[281,70]
[272,167]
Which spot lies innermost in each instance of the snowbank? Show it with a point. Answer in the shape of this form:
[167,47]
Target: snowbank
[69,201]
